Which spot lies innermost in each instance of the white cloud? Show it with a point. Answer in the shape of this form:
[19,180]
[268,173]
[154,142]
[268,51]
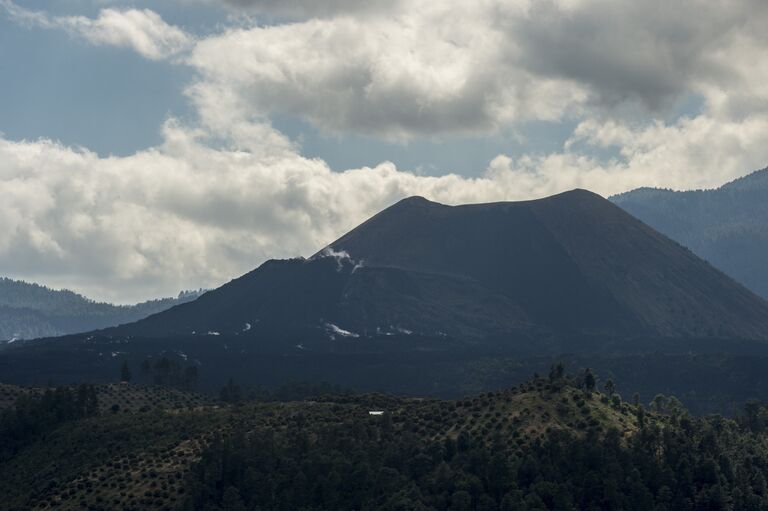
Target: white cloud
[177,216]
[143,31]
[314,8]
[650,52]
[699,152]
[188,215]
[470,67]
[426,71]
[221,195]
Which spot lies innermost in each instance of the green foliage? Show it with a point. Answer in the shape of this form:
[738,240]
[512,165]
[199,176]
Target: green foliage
[609,387]
[88,460]
[311,460]
[34,415]
[231,392]
[542,445]
[590,382]
[170,372]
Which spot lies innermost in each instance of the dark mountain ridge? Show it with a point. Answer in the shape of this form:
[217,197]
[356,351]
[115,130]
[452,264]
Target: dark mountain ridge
[727,226]
[29,310]
[573,260]
[573,263]
[430,299]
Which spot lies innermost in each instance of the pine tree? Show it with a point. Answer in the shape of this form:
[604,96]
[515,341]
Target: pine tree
[146,368]
[589,380]
[125,372]
[609,387]
[231,392]
[556,372]
[191,376]
[232,500]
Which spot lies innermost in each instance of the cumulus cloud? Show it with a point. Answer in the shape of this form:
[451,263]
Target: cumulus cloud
[175,216]
[651,52]
[699,152]
[312,8]
[471,67]
[226,191]
[430,70]
[143,31]
[186,214]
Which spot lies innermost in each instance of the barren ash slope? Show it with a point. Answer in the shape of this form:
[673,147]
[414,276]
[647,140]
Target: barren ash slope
[573,262]
[727,226]
[544,276]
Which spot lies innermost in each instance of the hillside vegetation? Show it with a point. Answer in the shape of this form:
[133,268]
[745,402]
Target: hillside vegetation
[551,443]
[119,397]
[29,311]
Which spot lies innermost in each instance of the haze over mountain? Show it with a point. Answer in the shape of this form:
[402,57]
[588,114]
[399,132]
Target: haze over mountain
[727,226]
[28,311]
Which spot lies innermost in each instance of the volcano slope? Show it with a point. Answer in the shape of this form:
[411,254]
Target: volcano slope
[727,226]
[572,263]
[428,298]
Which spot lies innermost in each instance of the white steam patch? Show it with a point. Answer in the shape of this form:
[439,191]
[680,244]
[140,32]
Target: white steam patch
[393,330]
[342,258]
[336,330]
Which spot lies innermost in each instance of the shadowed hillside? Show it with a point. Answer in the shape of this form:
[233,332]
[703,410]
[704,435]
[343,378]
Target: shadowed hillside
[727,226]
[573,260]
[569,263]
[438,300]
[29,311]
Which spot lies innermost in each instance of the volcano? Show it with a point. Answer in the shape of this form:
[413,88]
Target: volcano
[573,263]
[430,299]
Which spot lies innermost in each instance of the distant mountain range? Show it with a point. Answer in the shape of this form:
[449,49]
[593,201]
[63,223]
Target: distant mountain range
[727,226]
[29,311]
[432,299]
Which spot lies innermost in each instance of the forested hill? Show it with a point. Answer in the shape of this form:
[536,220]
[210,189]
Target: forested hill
[28,310]
[554,443]
[727,226]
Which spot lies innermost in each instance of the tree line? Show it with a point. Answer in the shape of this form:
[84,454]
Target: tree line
[34,414]
[674,461]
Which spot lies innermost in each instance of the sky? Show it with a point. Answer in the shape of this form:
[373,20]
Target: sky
[150,147]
